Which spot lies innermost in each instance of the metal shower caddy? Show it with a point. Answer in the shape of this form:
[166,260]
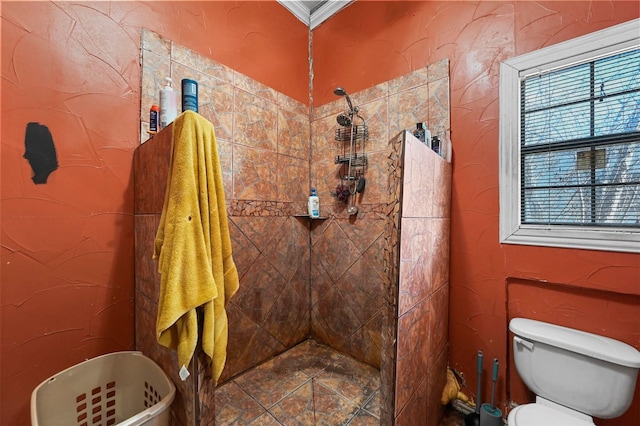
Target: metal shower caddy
[360,135]
[353,158]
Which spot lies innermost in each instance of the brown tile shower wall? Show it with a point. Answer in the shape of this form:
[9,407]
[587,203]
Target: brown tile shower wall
[388,310]
[263,144]
[151,166]
[347,253]
[423,284]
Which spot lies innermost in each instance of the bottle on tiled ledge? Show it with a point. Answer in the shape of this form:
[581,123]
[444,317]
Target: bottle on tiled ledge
[314,204]
[168,103]
[446,148]
[420,132]
[442,146]
[154,119]
[189,95]
[436,145]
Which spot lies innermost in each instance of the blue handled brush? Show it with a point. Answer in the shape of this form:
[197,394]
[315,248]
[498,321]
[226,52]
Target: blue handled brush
[490,415]
[494,379]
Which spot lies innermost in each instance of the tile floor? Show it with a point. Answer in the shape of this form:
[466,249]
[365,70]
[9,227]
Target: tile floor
[310,384]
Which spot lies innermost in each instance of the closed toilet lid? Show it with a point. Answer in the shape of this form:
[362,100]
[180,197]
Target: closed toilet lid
[541,415]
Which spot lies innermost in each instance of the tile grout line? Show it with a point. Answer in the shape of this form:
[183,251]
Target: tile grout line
[368,400]
[359,407]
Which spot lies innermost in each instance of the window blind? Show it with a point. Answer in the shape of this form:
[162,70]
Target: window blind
[580,144]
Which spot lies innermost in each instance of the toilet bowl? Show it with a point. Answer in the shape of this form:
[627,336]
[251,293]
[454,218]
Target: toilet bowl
[547,413]
[575,375]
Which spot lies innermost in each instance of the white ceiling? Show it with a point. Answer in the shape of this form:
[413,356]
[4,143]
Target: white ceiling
[313,13]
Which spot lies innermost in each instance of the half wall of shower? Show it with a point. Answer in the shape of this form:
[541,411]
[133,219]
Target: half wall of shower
[349,282]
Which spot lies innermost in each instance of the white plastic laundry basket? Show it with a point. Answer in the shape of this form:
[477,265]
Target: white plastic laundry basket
[121,388]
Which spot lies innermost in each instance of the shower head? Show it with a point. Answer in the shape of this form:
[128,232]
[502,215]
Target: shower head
[344,119]
[341,92]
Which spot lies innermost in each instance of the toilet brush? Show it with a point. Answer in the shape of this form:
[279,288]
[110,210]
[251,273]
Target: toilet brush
[473,419]
[490,415]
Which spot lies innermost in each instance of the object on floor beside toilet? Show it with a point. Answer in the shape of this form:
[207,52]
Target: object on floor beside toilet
[193,248]
[451,390]
[490,415]
[473,419]
[574,374]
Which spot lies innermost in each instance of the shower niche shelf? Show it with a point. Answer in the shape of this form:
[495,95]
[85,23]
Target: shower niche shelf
[306,216]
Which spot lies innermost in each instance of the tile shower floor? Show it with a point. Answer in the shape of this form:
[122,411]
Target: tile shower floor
[310,384]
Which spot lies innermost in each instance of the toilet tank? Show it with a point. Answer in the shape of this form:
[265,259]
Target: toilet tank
[593,374]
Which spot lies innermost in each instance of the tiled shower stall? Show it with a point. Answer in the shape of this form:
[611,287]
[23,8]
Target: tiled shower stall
[374,286]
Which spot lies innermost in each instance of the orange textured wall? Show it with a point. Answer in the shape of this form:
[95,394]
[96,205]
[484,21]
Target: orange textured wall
[371,42]
[67,259]
[67,245]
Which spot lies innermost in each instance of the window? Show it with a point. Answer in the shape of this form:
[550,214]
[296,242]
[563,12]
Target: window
[570,143]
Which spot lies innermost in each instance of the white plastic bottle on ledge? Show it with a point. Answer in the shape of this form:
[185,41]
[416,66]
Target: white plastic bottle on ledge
[168,103]
[314,204]
[446,149]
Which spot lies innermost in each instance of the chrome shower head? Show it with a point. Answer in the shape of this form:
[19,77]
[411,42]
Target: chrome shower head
[341,92]
[344,120]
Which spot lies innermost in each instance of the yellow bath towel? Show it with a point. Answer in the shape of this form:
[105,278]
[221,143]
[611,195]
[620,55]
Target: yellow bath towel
[193,247]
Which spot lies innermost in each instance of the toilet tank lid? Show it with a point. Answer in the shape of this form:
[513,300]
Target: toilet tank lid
[589,344]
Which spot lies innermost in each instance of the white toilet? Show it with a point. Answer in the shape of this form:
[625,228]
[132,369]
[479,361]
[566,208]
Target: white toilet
[574,374]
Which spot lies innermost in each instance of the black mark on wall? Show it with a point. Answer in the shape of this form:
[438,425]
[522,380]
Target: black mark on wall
[40,151]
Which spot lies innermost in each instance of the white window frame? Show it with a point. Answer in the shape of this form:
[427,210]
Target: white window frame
[512,231]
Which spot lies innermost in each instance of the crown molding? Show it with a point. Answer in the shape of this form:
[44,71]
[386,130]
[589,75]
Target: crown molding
[326,11]
[312,19]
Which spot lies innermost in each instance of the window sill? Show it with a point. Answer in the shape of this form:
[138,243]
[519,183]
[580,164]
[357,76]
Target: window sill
[575,238]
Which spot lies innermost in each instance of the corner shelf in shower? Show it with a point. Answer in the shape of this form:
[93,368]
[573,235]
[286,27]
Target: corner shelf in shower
[306,216]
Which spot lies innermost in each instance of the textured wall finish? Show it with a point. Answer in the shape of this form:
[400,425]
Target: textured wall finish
[378,41]
[76,64]
[67,245]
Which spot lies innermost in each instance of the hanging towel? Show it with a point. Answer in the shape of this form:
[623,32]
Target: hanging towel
[193,248]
